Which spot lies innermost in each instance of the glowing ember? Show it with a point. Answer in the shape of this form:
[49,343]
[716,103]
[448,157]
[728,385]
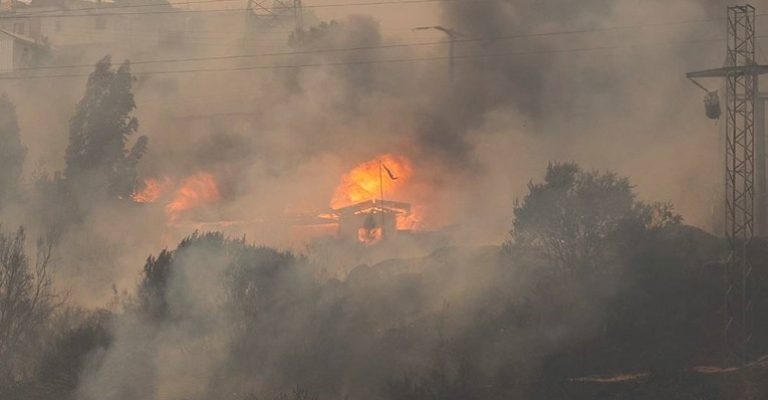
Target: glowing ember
[194,191]
[369,236]
[153,189]
[364,182]
[370,233]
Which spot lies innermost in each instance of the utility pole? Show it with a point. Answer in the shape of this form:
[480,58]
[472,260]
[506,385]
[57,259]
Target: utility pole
[381,191]
[452,35]
[744,175]
[298,16]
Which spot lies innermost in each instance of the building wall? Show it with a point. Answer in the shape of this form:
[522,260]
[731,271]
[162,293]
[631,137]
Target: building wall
[22,54]
[133,35]
[6,53]
[92,29]
[14,53]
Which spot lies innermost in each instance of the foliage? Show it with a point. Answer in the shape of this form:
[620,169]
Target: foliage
[26,301]
[249,275]
[61,364]
[12,152]
[53,204]
[255,281]
[507,332]
[97,158]
[154,282]
[573,216]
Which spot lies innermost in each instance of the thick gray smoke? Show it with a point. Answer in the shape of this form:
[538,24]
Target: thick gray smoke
[277,133]
[280,139]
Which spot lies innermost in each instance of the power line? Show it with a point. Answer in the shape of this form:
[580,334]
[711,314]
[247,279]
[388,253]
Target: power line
[115,7]
[202,32]
[395,45]
[517,35]
[358,62]
[252,55]
[176,11]
[371,47]
[62,13]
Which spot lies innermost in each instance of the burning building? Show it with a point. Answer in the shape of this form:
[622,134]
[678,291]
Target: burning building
[371,221]
[358,209]
[359,206]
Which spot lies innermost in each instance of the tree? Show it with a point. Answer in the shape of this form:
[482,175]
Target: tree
[97,157]
[153,285]
[251,274]
[62,362]
[26,301]
[573,215]
[12,152]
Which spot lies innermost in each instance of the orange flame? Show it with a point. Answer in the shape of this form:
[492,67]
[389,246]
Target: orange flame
[364,182]
[369,236]
[153,189]
[195,191]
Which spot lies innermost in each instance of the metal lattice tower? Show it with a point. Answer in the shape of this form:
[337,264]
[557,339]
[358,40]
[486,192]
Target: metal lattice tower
[744,174]
[741,89]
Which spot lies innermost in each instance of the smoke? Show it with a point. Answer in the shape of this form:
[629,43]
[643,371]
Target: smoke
[233,320]
[277,140]
[177,357]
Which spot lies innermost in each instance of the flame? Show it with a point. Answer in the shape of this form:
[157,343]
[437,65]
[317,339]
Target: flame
[388,173]
[365,181]
[411,220]
[194,191]
[153,189]
[369,236]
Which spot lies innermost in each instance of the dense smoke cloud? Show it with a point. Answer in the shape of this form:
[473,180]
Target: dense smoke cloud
[277,140]
[235,320]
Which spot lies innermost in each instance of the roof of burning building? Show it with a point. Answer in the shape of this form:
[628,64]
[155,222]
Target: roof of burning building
[397,207]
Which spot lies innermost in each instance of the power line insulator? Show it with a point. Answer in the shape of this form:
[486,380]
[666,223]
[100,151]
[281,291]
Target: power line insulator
[712,105]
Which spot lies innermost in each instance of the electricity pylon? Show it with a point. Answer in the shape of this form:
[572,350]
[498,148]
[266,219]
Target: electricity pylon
[742,178]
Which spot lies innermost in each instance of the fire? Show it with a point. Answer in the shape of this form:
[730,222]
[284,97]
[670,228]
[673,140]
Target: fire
[194,191]
[365,181]
[411,220]
[370,236]
[370,233]
[356,199]
[153,189]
